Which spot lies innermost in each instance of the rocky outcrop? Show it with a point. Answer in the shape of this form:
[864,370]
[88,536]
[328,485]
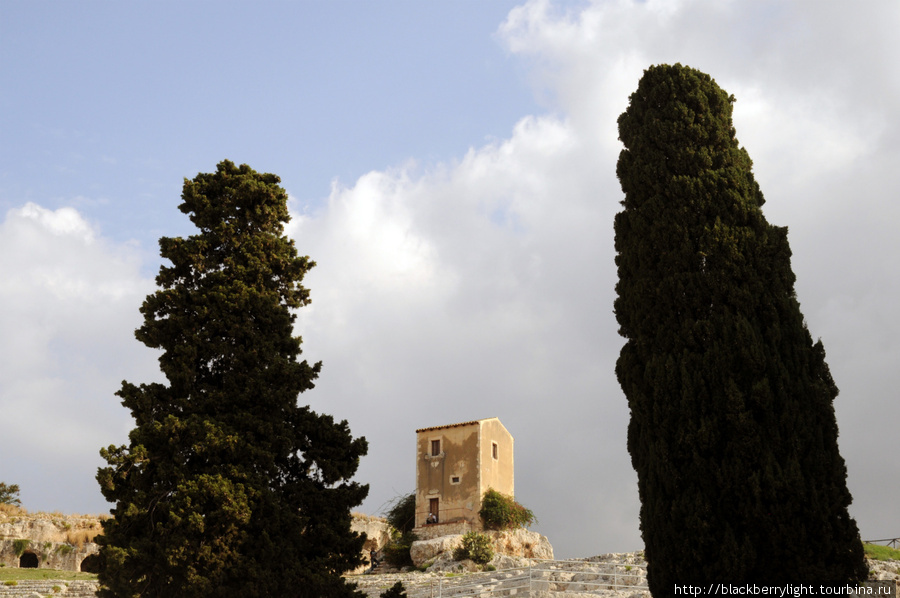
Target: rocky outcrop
[376,529]
[522,543]
[378,535]
[884,570]
[46,540]
[423,551]
[519,543]
[57,541]
[48,527]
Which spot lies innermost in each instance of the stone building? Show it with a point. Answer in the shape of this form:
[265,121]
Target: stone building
[455,465]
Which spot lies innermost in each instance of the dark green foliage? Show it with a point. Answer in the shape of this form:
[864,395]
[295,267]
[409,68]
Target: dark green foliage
[20,546]
[402,513]
[396,553]
[9,494]
[499,511]
[732,433]
[395,591]
[475,547]
[228,487]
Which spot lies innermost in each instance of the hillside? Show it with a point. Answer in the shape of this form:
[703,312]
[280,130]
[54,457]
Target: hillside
[47,540]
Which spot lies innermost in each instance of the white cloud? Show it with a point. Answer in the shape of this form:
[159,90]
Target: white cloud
[69,306]
[484,287]
[469,291]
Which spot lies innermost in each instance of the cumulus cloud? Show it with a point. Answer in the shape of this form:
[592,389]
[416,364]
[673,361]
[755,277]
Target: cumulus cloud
[484,287]
[460,292]
[69,308]
[817,117]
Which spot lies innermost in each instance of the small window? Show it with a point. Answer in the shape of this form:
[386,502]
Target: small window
[454,479]
[495,450]
[435,448]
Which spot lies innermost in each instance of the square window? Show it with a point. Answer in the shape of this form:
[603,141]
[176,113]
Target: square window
[454,479]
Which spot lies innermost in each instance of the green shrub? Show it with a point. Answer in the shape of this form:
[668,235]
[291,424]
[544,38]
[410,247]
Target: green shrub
[11,582]
[396,553]
[499,512]
[19,546]
[476,547]
[395,591]
[402,513]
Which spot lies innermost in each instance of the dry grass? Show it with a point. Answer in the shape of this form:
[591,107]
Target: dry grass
[59,515]
[14,511]
[75,529]
[81,537]
[358,515]
[11,510]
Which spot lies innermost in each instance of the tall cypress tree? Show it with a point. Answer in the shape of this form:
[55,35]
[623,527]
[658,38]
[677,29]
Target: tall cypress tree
[732,432]
[228,487]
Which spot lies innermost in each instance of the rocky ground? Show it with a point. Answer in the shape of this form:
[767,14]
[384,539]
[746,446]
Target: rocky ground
[448,578]
[884,570]
[517,551]
[511,546]
[48,527]
[422,584]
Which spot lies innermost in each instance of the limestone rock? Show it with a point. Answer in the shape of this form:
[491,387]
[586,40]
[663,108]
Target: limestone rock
[444,563]
[521,542]
[378,535]
[377,530]
[423,551]
[48,540]
[503,561]
[884,570]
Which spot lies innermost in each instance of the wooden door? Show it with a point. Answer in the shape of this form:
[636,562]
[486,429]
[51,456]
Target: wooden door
[433,505]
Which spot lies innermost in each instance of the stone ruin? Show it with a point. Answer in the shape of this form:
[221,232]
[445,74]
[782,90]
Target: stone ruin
[65,542]
[48,540]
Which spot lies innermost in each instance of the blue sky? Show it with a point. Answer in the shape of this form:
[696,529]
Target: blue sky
[109,104]
[451,167]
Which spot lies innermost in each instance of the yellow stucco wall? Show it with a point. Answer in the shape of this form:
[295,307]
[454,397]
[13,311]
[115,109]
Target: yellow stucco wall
[463,469]
[497,473]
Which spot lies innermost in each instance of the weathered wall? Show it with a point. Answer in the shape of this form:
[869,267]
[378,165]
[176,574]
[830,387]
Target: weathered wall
[57,541]
[49,555]
[497,473]
[451,476]
[472,457]
[63,541]
[436,530]
[378,534]
[517,543]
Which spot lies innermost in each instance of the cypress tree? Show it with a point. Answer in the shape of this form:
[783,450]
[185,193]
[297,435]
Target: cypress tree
[732,432]
[228,487]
